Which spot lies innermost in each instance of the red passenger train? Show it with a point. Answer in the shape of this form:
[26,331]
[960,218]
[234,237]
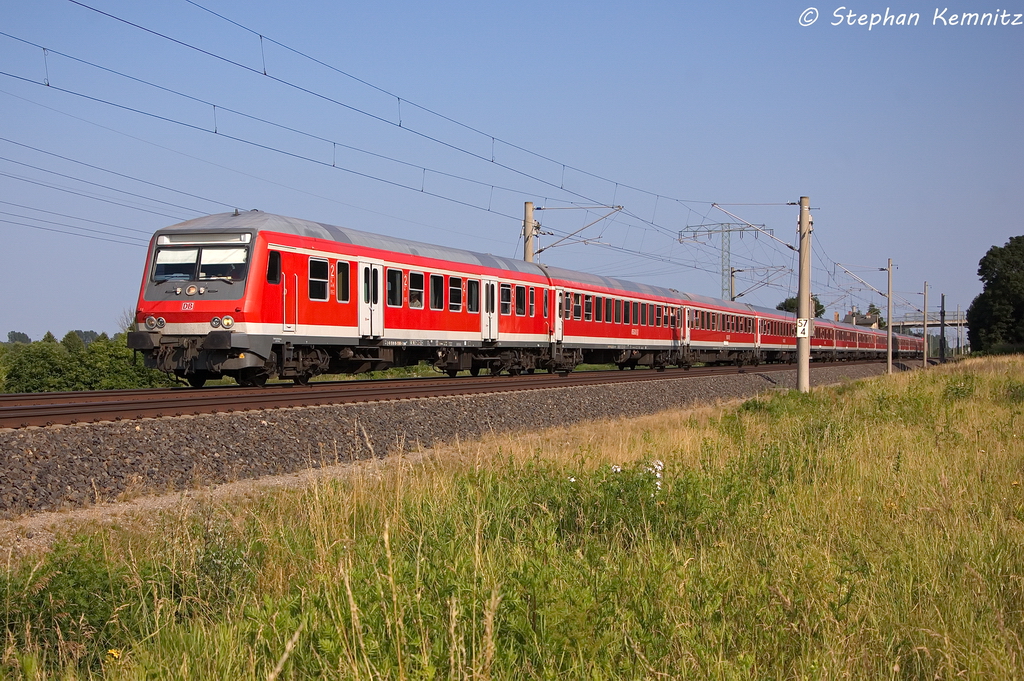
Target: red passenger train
[254,295]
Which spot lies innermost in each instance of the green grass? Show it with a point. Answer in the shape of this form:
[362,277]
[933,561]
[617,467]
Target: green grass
[871,530]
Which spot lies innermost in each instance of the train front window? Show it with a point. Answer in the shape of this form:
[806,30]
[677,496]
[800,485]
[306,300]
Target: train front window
[223,263]
[175,264]
[202,263]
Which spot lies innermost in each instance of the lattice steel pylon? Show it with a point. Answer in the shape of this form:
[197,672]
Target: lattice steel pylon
[693,232]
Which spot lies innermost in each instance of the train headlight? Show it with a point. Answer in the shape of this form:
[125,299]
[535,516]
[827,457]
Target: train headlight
[215,322]
[151,322]
[227,321]
[160,322]
[191,290]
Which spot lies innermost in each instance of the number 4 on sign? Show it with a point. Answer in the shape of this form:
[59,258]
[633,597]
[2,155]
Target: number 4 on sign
[803,328]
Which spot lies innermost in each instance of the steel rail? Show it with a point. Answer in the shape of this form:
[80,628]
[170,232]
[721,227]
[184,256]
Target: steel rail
[46,409]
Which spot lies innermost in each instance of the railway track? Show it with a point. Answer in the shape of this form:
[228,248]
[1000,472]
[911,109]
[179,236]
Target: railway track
[46,409]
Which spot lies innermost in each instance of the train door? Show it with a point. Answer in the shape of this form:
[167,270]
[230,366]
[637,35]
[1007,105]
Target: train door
[290,295]
[371,308]
[561,300]
[489,319]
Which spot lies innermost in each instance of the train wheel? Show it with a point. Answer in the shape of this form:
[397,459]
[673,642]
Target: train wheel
[452,373]
[302,379]
[252,378]
[196,381]
[474,371]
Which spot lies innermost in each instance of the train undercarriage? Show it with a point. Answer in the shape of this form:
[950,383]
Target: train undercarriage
[252,362]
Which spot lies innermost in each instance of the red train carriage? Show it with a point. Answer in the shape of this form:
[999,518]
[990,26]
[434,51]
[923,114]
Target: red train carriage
[254,295]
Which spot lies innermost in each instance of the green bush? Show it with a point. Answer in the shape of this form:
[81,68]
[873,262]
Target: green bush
[51,366]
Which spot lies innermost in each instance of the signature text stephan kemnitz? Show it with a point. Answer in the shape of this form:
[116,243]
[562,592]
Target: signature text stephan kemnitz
[844,16]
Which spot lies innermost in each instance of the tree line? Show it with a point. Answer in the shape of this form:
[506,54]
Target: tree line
[81,360]
[995,319]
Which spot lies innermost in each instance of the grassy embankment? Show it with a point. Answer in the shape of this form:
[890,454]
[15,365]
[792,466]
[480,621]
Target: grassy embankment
[872,530]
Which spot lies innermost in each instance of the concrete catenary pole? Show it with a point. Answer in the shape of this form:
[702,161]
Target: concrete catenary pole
[888,323]
[529,232]
[925,363]
[804,313]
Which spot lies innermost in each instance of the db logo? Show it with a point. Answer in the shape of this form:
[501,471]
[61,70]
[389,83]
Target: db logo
[188,305]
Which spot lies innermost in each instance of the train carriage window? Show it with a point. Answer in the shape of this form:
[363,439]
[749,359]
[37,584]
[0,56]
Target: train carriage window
[394,283]
[625,312]
[636,312]
[657,315]
[473,295]
[544,293]
[344,272]
[455,294]
[274,267]
[319,274]
[618,311]
[577,306]
[564,305]
[436,291]
[608,305]
[643,314]
[416,290]
[598,309]
[588,308]
[520,301]
[506,299]
[533,302]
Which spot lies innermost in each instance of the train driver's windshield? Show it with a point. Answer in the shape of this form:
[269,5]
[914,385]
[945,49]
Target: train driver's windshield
[201,264]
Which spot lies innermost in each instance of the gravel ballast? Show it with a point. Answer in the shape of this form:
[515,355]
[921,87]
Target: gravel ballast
[45,469]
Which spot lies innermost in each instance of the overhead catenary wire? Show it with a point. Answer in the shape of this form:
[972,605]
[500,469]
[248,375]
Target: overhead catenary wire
[74,217]
[102,186]
[259,145]
[399,99]
[113,172]
[489,209]
[84,236]
[643,220]
[242,173]
[68,190]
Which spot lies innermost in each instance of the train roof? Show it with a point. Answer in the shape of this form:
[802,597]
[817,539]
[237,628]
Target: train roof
[255,220]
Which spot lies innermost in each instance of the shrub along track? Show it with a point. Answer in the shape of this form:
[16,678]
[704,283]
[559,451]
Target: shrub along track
[48,409]
[50,468]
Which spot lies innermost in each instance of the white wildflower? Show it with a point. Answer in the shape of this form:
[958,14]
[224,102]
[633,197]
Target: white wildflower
[616,469]
[572,479]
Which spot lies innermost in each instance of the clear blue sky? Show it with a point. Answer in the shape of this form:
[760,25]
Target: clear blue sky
[908,139]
